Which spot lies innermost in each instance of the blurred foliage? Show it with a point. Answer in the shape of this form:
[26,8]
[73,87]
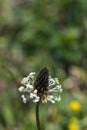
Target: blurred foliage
[33,34]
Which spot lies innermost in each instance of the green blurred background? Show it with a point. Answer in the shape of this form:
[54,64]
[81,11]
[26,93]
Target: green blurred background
[37,33]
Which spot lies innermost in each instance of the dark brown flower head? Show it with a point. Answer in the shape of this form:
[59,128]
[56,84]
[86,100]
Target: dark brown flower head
[41,82]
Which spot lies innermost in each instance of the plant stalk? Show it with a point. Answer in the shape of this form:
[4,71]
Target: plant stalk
[37,116]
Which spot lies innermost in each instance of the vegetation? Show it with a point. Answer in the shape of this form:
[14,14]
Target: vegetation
[34,34]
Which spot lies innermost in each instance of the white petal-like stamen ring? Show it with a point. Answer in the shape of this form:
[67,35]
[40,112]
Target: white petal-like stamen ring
[28,87]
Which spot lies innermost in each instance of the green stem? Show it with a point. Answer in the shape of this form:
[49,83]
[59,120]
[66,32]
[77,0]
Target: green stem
[37,116]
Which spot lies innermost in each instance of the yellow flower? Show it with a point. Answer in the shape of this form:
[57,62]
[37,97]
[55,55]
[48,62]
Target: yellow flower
[73,125]
[75,106]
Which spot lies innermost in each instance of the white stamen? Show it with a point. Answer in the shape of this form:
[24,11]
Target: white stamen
[36,99]
[29,86]
[35,91]
[32,74]
[59,86]
[24,99]
[51,82]
[59,99]
[56,80]
[51,100]
[32,95]
[60,90]
[21,89]
[25,80]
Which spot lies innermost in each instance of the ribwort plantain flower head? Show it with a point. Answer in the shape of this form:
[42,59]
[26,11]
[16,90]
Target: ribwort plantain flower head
[40,87]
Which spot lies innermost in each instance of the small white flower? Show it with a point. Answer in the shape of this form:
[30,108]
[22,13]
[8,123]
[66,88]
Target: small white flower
[40,87]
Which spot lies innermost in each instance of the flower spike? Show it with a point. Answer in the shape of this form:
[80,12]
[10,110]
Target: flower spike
[40,87]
